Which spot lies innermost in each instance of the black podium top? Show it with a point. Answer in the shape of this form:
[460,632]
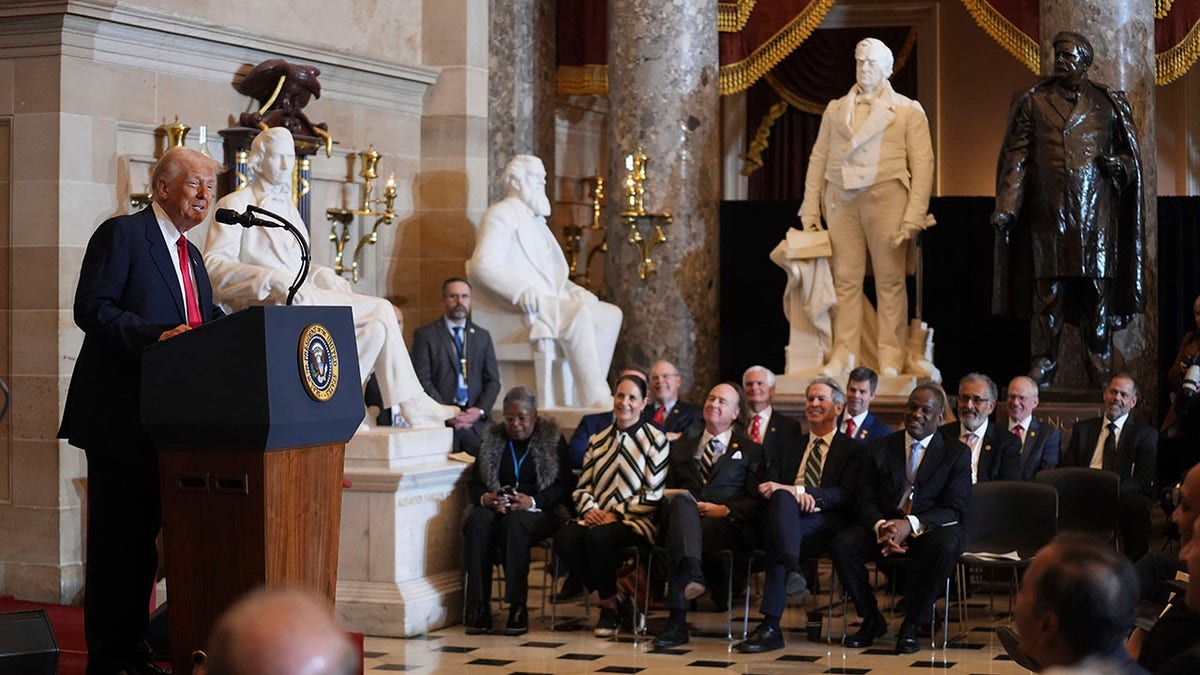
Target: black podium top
[237,383]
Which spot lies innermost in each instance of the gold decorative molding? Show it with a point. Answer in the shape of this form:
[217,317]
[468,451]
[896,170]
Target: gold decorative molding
[738,76]
[590,80]
[1005,33]
[732,16]
[1176,61]
[753,154]
[1162,8]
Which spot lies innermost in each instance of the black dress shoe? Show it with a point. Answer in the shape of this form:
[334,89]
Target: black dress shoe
[672,636]
[518,620]
[571,588]
[906,638]
[479,619]
[632,619]
[874,626]
[763,639]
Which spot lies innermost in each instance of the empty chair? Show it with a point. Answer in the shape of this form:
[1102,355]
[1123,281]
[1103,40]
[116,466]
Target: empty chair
[1088,501]
[1006,518]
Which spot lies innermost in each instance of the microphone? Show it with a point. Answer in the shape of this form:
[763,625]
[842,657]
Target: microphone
[247,219]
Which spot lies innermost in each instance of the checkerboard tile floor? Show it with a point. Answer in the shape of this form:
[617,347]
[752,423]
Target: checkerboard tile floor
[542,650]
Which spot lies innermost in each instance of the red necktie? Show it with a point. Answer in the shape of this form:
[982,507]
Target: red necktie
[189,293]
[658,415]
[850,426]
[756,429]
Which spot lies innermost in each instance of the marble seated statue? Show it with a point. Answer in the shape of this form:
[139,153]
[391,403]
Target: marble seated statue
[255,266]
[550,334]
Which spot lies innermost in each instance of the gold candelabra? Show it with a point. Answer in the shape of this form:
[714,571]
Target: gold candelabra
[341,219]
[176,134]
[635,215]
[573,235]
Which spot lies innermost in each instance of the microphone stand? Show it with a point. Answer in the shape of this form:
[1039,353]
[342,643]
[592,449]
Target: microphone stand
[305,253]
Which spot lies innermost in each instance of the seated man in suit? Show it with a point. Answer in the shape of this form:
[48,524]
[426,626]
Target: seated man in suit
[673,416]
[456,363]
[1039,442]
[768,427]
[719,472]
[1119,442]
[922,486]
[812,488]
[995,453]
[859,422]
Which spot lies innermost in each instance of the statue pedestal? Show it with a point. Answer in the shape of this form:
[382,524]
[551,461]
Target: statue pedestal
[400,570]
[795,383]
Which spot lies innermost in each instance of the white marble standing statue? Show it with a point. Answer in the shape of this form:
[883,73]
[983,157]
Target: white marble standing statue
[255,266]
[524,297]
[870,174]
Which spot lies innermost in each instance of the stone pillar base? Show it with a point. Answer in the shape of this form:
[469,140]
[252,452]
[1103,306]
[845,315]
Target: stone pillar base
[399,568]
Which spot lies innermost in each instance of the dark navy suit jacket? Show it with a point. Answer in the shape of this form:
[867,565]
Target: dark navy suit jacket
[941,492]
[841,474]
[734,479]
[685,418]
[128,295]
[871,429]
[589,425]
[999,456]
[435,360]
[1043,443]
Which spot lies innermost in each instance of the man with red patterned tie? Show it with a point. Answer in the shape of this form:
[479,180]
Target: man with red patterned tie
[677,418]
[768,427]
[141,282]
[859,422]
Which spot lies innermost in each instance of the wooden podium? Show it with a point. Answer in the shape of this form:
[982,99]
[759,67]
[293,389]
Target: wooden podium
[250,462]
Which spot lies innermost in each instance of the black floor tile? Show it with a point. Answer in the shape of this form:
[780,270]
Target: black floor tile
[620,669]
[455,650]
[489,662]
[710,664]
[581,657]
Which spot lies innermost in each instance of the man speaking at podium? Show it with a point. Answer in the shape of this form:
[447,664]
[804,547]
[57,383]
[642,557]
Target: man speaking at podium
[141,282]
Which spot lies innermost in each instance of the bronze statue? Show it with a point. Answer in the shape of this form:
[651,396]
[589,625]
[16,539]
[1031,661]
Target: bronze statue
[1068,213]
[282,90]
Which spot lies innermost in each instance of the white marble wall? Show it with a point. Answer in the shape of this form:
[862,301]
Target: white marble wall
[83,84]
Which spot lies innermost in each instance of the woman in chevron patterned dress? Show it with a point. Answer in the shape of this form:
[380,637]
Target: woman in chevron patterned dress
[617,499]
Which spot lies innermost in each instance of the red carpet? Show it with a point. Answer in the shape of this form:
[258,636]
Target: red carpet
[67,623]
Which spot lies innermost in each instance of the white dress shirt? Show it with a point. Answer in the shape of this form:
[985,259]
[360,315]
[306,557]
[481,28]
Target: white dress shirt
[171,235]
[1024,424]
[975,446]
[1098,453]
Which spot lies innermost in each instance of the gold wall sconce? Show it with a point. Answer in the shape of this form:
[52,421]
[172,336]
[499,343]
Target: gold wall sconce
[341,219]
[637,218]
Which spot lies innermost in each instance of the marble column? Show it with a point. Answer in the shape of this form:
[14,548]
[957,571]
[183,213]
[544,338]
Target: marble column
[1122,33]
[663,97]
[521,87]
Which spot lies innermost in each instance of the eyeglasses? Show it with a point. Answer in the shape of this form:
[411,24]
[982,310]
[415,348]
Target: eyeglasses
[977,400]
[664,376]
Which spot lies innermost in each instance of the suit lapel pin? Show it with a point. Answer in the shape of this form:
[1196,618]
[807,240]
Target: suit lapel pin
[987,448]
[734,446]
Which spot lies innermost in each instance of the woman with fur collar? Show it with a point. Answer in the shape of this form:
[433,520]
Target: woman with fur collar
[520,494]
